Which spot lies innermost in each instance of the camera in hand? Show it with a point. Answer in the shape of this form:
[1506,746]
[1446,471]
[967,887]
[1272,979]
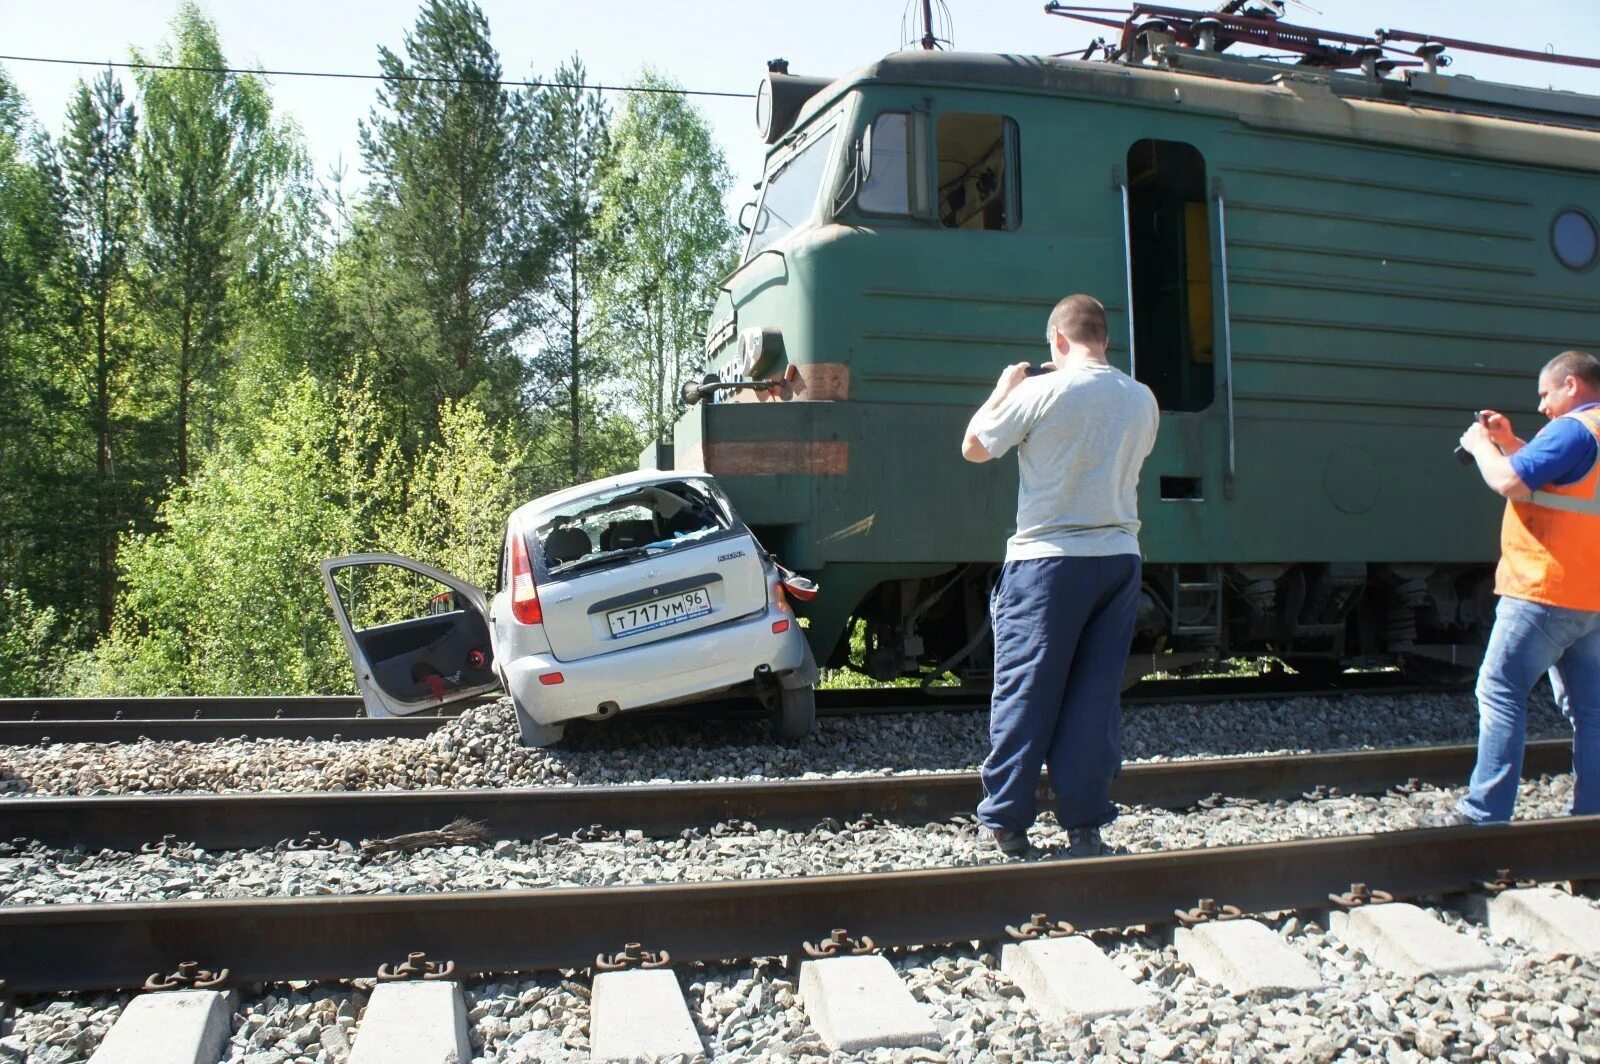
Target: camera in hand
[1463,455]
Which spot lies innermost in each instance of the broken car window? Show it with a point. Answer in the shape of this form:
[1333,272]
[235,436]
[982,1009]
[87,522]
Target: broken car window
[631,522]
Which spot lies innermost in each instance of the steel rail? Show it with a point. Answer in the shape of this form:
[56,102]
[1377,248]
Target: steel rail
[34,733]
[84,947]
[240,821]
[182,707]
[30,721]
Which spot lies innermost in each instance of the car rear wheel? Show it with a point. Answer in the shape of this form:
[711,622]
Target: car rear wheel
[796,713]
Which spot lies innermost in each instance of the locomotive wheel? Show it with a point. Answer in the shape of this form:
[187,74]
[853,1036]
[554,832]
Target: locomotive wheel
[795,714]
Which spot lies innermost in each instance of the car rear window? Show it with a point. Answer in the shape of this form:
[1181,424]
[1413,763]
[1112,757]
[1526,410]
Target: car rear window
[639,520]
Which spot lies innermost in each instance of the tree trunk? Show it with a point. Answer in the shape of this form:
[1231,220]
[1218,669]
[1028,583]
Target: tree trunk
[573,385]
[183,394]
[104,541]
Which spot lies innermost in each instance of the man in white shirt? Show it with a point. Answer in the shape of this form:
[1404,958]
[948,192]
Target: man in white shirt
[1063,609]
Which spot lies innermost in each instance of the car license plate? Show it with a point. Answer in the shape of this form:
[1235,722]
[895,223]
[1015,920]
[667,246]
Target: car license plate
[659,613]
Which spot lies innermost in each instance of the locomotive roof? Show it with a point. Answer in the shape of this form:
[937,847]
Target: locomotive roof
[1454,115]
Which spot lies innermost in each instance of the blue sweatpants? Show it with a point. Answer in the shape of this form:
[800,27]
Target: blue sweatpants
[1062,630]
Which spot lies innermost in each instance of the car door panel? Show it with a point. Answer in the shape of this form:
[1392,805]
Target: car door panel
[414,664]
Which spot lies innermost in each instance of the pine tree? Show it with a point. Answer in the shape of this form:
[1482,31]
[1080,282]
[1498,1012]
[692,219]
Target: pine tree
[573,122]
[454,252]
[97,161]
[210,158]
[36,492]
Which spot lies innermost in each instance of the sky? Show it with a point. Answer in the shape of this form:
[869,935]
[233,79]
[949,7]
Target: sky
[704,44]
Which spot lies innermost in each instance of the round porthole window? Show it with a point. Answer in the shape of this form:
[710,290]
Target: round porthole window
[1575,239]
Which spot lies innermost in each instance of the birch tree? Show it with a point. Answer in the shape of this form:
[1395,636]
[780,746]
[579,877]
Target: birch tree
[667,240]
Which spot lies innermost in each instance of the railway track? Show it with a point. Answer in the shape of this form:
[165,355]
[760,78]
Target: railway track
[85,947]
[77,948]
[28,721]
[244,821]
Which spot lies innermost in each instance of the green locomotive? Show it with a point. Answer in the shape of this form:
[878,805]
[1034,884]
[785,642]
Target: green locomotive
[1329,266]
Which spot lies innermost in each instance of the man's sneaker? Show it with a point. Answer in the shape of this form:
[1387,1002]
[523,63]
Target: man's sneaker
[1085,842]
[1010,842]
[1455,818]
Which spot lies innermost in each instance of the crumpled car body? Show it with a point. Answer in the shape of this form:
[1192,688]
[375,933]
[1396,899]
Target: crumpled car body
[640,590]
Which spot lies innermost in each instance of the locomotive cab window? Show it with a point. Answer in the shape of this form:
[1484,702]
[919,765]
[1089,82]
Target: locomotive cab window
[978,179]
[1170,245]
[789,198]
[897,180]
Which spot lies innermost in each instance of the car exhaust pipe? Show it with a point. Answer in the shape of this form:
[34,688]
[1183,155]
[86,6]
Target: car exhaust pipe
[604,711]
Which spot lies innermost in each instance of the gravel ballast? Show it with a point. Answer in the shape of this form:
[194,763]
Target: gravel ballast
[35,875]
[1538,1009]
[480,749]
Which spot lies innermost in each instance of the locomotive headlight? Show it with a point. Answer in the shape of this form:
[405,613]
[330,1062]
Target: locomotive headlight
[760,348]
[764,109]
[779,98]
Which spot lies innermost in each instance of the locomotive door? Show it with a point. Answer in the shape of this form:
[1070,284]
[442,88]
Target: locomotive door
[1175,276]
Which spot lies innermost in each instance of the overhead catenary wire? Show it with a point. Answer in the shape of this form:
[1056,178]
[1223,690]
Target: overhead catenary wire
[501,82]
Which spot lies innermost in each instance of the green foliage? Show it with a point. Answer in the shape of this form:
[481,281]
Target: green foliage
[667,239]
[567,370]
[226,599]
[37,458]
[462,490]
[205,389]
[451,249]
[105,356]
[29,646]
[212,166]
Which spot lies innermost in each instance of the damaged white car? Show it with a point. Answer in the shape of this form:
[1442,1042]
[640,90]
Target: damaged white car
[641,590]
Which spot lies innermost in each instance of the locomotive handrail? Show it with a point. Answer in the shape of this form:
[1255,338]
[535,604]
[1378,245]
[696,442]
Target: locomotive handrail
[1227,329]
[1127,264]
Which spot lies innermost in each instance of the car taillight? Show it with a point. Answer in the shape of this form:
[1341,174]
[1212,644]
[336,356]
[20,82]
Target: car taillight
[524,594]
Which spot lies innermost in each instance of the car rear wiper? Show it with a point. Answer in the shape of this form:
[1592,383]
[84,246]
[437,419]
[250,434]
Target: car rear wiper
[591,560]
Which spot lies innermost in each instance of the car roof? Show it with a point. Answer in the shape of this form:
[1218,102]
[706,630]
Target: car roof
[531,511]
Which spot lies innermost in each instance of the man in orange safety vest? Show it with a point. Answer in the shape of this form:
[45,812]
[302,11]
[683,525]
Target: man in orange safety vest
[1548,618]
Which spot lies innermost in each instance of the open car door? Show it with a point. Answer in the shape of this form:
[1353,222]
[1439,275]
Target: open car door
[418,637]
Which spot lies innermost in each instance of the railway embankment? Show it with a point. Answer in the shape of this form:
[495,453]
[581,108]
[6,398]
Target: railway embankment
[480,748]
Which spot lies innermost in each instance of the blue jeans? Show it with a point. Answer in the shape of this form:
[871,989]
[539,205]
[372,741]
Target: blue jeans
[1528,641]
[1062,629]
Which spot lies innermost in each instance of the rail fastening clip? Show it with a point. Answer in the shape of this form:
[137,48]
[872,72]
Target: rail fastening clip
[632,956]
[840,944]
[416,966]
[1358,895]
[189,976]
[1503,881]
[169,846]
[1208,911]
[1041,927]
[314,840]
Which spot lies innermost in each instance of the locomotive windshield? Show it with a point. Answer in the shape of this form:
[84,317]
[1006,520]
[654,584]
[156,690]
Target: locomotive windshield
[789,201]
